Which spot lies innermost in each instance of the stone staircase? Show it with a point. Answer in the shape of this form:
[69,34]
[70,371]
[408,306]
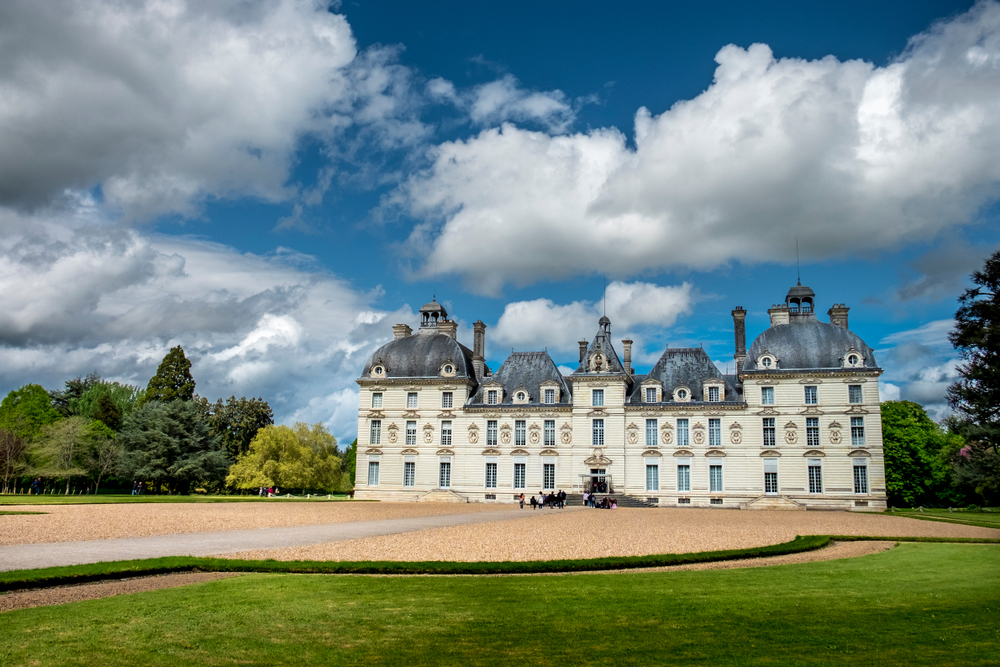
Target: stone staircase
[441,496]
[576,500]
[774,503]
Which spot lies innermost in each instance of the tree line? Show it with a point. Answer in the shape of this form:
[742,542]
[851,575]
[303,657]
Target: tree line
[165,437]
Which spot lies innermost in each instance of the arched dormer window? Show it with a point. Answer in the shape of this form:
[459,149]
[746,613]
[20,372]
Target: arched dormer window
[853,359]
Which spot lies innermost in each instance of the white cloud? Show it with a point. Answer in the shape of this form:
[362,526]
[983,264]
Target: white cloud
[504,100]
[848,156]
[931,334]
[919,365]
[543,323]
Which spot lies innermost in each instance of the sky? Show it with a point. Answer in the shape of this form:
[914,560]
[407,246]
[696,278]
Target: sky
[273,184]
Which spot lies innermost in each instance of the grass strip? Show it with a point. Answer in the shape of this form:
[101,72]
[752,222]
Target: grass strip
[946,519]
[14,512]
[124,499]
[79,574]
[944,540]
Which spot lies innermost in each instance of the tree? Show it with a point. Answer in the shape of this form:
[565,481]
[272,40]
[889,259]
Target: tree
[302,457]
[63,400]
[237,421]
[26,410]
[351,462]
[60,448]
[103,452]
[97,402]
[12,457]
[171,443]
[916,473]
[108,413]
[172,380]
[975,397]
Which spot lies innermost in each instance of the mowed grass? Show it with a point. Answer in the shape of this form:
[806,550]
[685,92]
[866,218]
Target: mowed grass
[111,499]
[980,519]
[918,604]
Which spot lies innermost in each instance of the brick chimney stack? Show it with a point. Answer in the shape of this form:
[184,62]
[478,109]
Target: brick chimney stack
[740,329]
[401,331]
[627,355]
[479,349]
[583,350]
[838,315]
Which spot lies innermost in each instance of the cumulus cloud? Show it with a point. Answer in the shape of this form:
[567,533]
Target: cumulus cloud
[850,157]
[116,300]
[919,365]
[631,307]
[505,100]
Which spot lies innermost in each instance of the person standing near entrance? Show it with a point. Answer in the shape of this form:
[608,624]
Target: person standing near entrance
[534,502]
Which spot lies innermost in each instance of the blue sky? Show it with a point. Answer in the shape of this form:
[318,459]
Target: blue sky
[274,184]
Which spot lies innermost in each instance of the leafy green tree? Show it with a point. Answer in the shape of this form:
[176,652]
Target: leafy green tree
[237,421]
[108,413]
[63,400]
[171,443]
[172,380]
[102,453]
[94,403]
[59,450]
[302,457]
[13,459]
[916,473]
[26,410]
[351,463]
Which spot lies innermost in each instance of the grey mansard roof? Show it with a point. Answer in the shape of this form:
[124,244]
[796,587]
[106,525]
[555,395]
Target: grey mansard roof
[421,355]
[686,367]
[807,343]
[602,342]
[526,370]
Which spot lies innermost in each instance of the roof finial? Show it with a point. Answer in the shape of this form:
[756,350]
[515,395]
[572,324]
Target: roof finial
[605,297]
[798,271]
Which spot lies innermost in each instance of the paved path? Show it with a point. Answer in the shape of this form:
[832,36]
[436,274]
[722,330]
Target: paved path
[51,554]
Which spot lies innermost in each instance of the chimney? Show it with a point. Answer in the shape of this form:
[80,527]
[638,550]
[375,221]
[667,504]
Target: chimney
[838,315]
[627,355]
[448,328]
[740,329]
[401,331]
[479,348]
[583,351]
[779,314]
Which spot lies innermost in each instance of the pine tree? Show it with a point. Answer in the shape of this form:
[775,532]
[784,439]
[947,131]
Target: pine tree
[172,380]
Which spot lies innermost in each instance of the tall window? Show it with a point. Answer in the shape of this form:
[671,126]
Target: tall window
[446,434]
[491,397]
[651,394]
[548,475]
[715,433]
[815,476]
[682,433]
[598,433]
[651,433]
[854,393]
[444,475]
[652,477]
[519,475]
[550,395]
[769,440]
[684,477]
[411,433]
[377,399]
[812,397]
[812,431]
[713,394]
[597,398]
[447,399]
[767,395]
[770,476]
[373,473]
[858,431]
[860,476]
[411,400]
[409,473]
[519,433]
[491,475]
[715,478]
[376,433]
[550,433]
[491,433]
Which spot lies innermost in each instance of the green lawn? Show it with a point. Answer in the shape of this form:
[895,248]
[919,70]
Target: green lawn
[981,519]
[55,499]
[919,604]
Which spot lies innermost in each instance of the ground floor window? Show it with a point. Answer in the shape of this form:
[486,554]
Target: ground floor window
[409,473]
[491,475]
[652,477]
[373,473]
[444,478]
[548,475]
[815,477]
[860,476]
[519,475]
[770,476]
[684,477]
[715,478]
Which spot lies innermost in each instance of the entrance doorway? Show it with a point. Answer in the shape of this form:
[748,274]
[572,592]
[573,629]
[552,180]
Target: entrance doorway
[598,481]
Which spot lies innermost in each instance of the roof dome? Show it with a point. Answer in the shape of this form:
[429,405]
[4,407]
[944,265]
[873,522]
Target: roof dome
[800,291]
[807,343]
[421,356]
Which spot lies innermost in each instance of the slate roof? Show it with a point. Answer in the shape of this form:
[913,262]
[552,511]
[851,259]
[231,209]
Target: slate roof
[807,343]
[688,367]
[421,355]
[527,370]
[602,342]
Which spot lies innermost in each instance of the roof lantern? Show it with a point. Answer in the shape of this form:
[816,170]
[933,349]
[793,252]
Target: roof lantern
[801,300]
[431,312]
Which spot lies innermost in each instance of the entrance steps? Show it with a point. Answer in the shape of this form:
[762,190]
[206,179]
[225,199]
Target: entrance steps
[576,500]
[774,503]
[441,496]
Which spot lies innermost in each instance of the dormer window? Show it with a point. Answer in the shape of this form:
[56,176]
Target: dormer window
[550,395]
[448,368]
[682,394]
[651,394]
[378,370]
[492,396]
[521,396]
[767,362]
[853,359]
[713,394]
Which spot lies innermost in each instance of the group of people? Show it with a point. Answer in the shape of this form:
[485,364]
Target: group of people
[605,503]
[269,491]
[137,488]
[552,500]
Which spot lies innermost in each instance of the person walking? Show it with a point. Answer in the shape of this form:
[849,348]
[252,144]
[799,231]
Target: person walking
[521,500]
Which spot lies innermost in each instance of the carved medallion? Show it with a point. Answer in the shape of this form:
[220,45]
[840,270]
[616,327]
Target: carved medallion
[533,437]
[736,436]
[835,437]
[473,434]
[791,437]
[393,433]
